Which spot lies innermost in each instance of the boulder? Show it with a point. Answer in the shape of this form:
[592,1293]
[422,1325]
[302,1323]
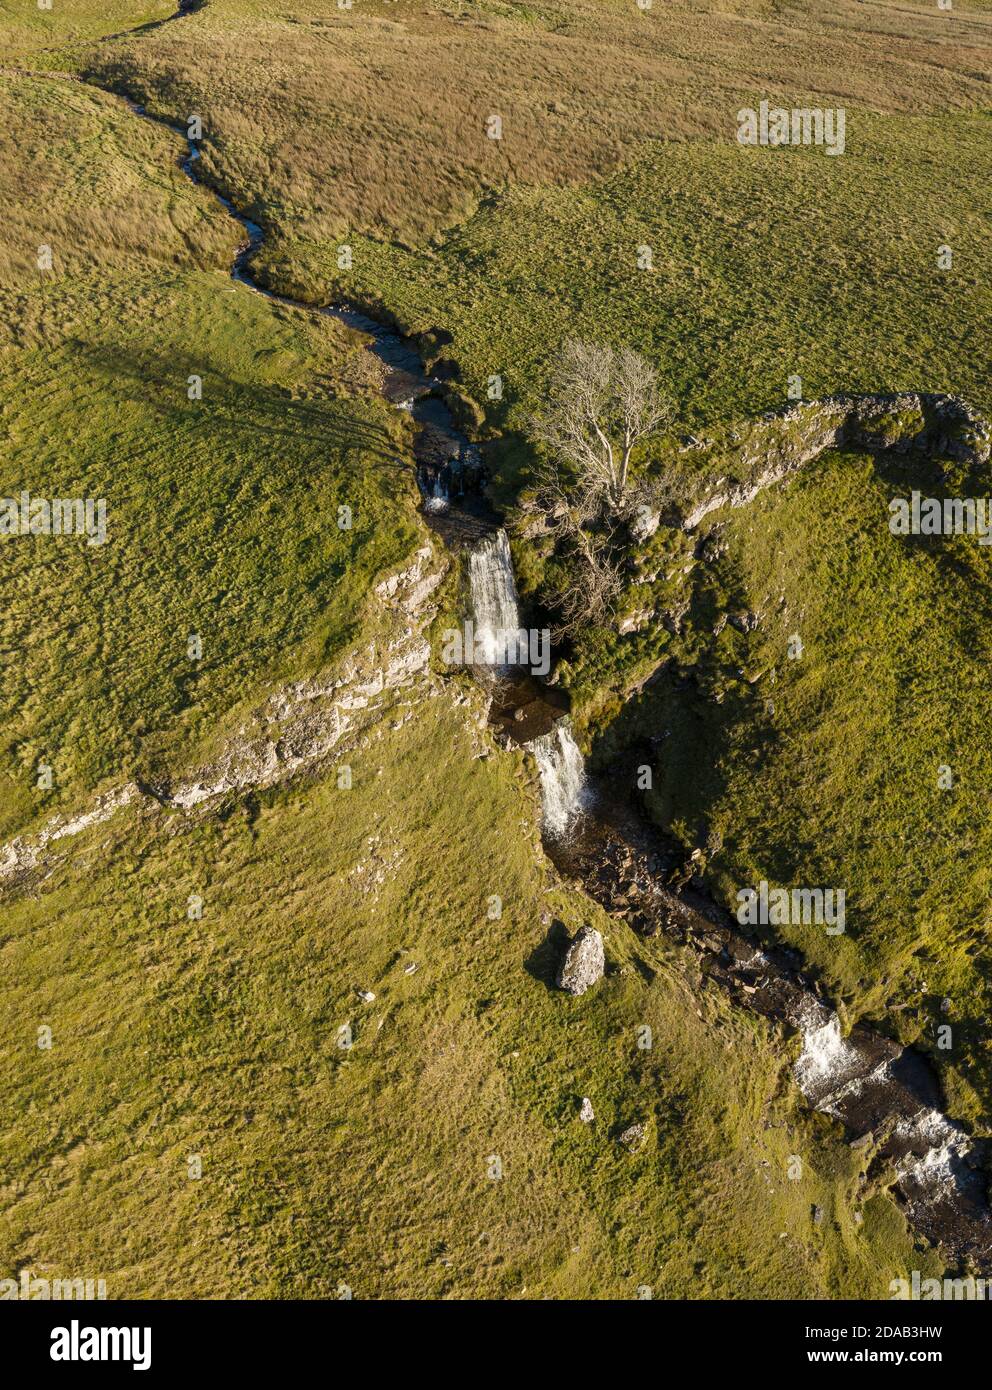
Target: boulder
[584,962]
[645,523]
[633,1137]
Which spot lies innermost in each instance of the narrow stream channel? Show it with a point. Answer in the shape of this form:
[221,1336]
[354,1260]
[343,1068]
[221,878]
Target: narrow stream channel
[887,1096]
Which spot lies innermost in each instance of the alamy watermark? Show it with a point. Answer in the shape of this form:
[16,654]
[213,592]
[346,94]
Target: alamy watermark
[61,516]
[526,648]
[82,1343]
[802,125]
[778,907]
[917,1289]
[935,516]
[29,1287]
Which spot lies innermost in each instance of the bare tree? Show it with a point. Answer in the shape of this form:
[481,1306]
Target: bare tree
[590,579]
[593,586]
[602,402]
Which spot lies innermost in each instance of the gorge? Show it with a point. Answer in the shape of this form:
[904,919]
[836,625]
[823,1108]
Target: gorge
[886,1096]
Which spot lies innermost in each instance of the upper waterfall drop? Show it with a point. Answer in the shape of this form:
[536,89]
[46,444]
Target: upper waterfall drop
[495,607]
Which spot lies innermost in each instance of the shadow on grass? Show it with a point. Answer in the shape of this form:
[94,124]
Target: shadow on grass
[544,962]
[258,410]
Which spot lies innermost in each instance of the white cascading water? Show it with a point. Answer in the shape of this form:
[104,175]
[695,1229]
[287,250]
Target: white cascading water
[496,615]
[563,777]
[830,1071]
[494,596]
[828,1064]
[436,495]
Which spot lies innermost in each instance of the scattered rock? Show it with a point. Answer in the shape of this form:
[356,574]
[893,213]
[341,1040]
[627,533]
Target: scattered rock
[366,996]
[817,1216]
[633,1137]
[584,962]
[587,1114]
[633,622]
[23,854]
[645,524]
[744,622]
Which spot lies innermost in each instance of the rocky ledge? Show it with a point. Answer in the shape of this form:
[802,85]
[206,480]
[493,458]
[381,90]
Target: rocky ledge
[781,443]
[298,726]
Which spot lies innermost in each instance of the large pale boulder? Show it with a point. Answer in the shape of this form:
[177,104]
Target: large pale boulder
[584,962]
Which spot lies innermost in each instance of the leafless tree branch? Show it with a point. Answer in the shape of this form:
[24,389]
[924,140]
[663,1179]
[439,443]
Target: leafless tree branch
[602,402]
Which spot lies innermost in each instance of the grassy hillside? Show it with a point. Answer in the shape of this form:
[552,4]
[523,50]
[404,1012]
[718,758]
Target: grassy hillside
[619,133]
[373,119]
[219,1038]
[822,769]
[222,512]
[99,189]
[765,264]
[27,30]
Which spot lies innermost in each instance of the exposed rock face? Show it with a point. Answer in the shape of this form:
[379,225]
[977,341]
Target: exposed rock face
[584,962]
[303,723]
[297,727]
[412,588]
[780,444]
[645,524]
[23,854]
[633,622]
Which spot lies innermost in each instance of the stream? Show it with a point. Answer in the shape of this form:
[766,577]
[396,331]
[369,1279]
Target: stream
[887,1096]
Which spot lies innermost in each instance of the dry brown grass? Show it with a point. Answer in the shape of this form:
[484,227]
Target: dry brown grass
[82,176]
[79,173]
[373,120]
[24,28]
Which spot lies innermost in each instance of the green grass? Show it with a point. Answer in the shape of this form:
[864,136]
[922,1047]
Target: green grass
[219,1038]
[222,521]
[371,121]
[27,31]
[222,512]
[823,770]
[767,263]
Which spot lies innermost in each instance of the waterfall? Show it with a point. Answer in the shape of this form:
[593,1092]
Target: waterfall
[494,597]
[434,492]
[497,624]
[828,1065]
[563,777]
